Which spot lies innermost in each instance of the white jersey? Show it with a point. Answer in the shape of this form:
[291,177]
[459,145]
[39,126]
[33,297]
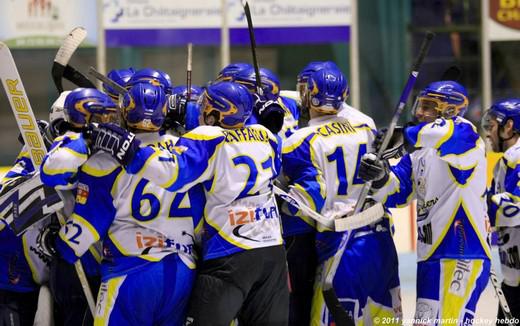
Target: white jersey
[505,212]
[236,168]
[447,176]
[355,116]
[321,163]
[137,221]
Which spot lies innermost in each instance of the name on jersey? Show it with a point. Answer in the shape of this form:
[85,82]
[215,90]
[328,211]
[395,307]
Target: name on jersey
[246,135]
[336,128]
[250,215]
[159,241]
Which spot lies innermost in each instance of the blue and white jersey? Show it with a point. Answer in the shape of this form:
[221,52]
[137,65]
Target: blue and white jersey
[291,117]
[355,116]
[321,163]
[236,168]
[447,176]
[137,221]
[22,264]
[504,212]
[61,164]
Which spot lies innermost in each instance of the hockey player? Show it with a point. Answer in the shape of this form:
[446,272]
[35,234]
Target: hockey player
[501,124]
[147,232]
[23,266]
[243,273]
[70,113]
[120,77]
[271,89]
[320,162]
[447,175]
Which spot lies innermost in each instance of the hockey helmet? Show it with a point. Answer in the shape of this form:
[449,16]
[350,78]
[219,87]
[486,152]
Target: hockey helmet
[228,72]
[270,82]
[144,107]
[502,111]
[86,105]
[327,90]
[229,103]
[152,76]
[448,99]
[120,77]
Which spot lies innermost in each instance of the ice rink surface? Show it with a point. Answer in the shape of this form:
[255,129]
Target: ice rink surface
[487,305]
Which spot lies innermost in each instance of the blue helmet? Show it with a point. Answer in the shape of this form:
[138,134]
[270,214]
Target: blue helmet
[270,82]
[228,72]
[144,107]
[502,111]
[327,90]
[120,77]
[448,98]
[86,105]
[229,103]
[182,91]
[152,76]
[312,67]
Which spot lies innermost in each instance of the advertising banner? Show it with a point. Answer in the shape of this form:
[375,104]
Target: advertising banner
[166,22]
[44,23]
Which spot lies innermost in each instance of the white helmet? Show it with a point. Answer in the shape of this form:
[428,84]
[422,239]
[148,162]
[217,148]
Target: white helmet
[56,117]
[58,107]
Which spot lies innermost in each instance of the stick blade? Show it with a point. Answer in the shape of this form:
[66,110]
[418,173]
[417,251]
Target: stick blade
[341,317]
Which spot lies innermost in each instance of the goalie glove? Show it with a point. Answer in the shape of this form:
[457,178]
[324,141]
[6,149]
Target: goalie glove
[43,127]
[269,113]
[396,145]
[116,141]
[373,169]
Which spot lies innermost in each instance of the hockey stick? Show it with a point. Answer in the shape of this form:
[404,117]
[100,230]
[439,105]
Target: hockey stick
[65,52]
[340,316]
[188,73]
[118,88]
[24,116]
[247,12]
[357,221]
[77,78]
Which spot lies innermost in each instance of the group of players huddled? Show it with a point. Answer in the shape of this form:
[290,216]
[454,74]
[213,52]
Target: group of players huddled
[171,210]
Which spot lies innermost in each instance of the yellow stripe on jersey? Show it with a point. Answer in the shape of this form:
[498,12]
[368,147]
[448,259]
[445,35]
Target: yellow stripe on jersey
[291,147]
[453,304]
[106,300]
[97,171]
[446,136]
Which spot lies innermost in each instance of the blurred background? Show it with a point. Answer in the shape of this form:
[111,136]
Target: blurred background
[289,33]
[373,41]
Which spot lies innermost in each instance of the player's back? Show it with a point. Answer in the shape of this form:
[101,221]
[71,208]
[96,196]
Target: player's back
[148,222]
[240,211]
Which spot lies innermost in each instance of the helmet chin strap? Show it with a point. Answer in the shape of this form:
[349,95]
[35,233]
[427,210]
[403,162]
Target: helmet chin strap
[502,140]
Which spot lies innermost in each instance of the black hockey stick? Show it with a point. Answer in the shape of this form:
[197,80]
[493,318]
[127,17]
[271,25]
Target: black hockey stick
[247,12]
[65,52]
[341,317]
[77,78]
[99,76]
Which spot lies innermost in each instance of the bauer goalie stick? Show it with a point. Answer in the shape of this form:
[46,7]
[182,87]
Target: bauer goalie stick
[24,115]
[61,68]
[341,317]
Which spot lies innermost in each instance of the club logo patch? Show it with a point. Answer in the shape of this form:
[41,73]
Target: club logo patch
[82,194]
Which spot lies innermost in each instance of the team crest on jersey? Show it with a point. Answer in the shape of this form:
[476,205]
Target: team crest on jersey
[82,194]
[180,149]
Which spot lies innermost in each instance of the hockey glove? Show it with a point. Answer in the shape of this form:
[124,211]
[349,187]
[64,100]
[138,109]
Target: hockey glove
[395,147]
[46,240]
[373,169]
[270,114]
[116,141]
[175,116]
